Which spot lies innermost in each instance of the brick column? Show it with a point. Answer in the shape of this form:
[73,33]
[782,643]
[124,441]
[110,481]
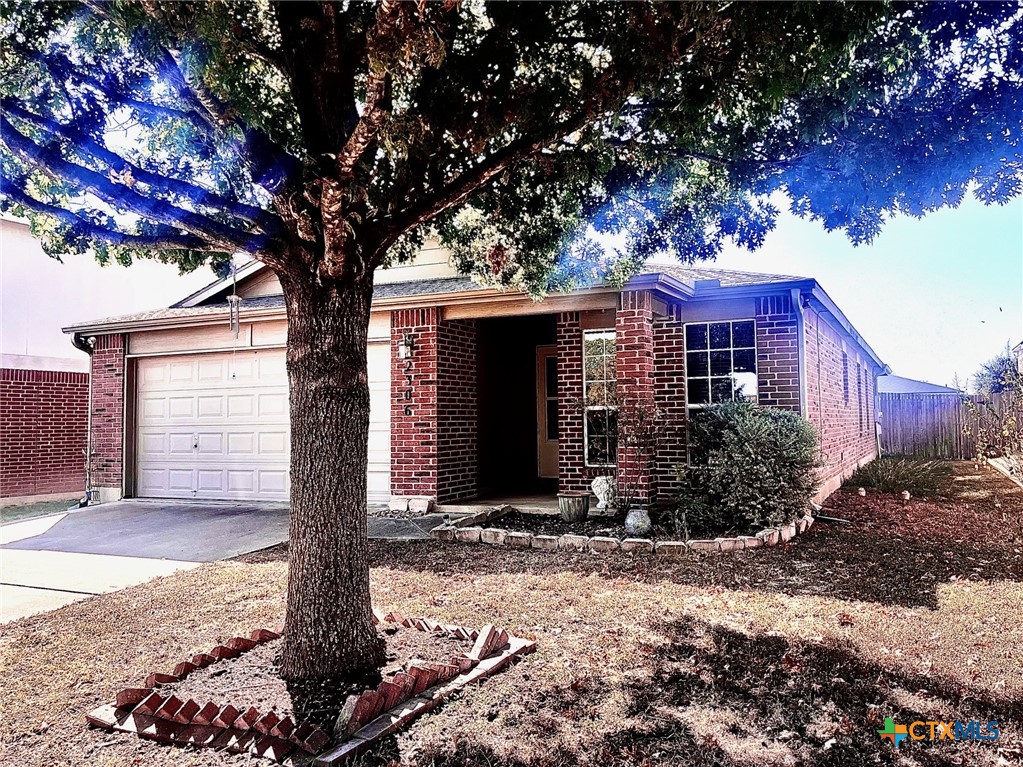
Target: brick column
[572,473]
[634,337]
[414,405]
[107,457]
[457,418]
[670,397]
[777,353]
[433,408]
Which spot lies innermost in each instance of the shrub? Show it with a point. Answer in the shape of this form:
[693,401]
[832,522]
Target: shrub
[755,467]
[893,474]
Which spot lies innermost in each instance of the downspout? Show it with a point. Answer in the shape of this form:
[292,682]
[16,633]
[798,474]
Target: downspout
[87,345]
[797,303]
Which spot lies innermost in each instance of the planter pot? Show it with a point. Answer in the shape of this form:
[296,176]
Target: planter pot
[574,507]
[637,522]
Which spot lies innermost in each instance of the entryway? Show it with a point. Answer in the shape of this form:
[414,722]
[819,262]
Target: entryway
[517,406]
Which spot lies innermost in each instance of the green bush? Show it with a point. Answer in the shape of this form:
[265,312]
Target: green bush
[753,467]
[894,474]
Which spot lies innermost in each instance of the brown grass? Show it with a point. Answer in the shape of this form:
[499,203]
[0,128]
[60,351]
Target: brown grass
[785,656]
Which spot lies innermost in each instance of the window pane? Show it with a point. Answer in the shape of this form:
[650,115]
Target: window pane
[699,391]
[596,423]
[720,335]
[551,375]
[743,334]
[600,393]
[721,390]
[720,363]
[593,346]
[597,453]
[696,337]
[552,419]
[744,361]
[696,364]
[745,386]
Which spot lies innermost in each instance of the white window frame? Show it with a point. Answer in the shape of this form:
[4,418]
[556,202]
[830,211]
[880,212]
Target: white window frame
[587,407]
[685,351]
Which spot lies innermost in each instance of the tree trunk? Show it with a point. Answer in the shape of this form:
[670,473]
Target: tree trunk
[328,628]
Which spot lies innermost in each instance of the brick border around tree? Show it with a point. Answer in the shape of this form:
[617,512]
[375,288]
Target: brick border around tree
[476,529]
[368,717]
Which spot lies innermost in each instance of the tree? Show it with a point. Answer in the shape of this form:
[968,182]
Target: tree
[998,374]
[324,139]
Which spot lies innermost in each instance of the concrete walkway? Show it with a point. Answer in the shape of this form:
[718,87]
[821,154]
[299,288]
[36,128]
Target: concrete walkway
[51,561]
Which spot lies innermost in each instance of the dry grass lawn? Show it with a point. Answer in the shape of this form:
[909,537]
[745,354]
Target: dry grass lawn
[788,656]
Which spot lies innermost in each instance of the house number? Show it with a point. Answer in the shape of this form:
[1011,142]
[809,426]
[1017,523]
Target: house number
[408,392]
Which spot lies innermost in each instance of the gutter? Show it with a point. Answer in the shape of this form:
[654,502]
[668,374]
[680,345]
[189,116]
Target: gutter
[86,345]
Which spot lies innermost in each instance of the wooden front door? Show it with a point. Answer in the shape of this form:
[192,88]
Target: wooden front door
[547,411]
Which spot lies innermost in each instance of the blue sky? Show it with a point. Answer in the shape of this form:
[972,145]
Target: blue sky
[934,296]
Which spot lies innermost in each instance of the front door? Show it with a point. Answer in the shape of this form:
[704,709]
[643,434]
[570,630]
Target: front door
[547,410]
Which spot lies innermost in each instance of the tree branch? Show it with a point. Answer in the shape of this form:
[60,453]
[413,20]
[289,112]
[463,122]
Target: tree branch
[378,92]
[165,240]
[81,140]
[49,160]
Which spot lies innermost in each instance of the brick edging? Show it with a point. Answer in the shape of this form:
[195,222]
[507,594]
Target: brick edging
[371,715]
[471,530]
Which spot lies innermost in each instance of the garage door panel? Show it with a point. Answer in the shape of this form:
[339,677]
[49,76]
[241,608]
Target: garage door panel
[215,426]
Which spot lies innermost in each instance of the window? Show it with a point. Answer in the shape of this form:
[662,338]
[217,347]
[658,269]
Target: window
[859,395]
[600,426]
[845,377]
[721,362]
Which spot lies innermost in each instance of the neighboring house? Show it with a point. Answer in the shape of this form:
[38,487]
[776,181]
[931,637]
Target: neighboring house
[898,385]
[44,404]
[1017,351]
[474,392]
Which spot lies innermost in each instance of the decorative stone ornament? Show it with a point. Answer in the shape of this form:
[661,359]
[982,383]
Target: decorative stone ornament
[637,522]
[604,489]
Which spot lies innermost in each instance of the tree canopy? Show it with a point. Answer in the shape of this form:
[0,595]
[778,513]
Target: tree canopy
[547,143]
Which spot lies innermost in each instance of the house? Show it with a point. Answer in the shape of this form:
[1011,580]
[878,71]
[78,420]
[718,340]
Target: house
[1017,352]
[44,402]
[891,384]
[475,392]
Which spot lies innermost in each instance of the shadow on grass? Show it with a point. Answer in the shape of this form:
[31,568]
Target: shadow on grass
[715,697]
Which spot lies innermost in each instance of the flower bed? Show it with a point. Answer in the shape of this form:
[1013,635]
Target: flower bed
[485,527]
[154,712]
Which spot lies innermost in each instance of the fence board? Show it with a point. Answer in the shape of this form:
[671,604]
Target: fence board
[930,425]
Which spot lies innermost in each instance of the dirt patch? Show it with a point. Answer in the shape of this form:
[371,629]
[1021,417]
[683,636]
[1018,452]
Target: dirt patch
[252,679]
[552,524]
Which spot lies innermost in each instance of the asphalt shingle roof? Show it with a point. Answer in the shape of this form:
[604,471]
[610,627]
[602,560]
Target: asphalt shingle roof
[410,289]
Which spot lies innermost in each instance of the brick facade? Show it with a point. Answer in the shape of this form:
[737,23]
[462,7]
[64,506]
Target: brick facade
[433,407]
[107,459]
[573,476]
[414,462]
[670,397]
[44,415]
[777,353]
[840,382]
[634,338]
[457,444]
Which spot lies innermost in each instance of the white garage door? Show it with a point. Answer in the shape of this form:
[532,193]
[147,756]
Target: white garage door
[215,426]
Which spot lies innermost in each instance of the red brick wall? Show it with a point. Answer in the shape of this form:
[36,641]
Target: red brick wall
[777,353]
[456,403]
[573,476]
[634,365]
[433,407]
[43,416]
[846,425]
[414,460]
[107,461]
[670,397]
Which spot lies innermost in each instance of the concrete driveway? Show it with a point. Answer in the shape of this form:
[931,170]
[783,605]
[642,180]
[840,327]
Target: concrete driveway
[51,561]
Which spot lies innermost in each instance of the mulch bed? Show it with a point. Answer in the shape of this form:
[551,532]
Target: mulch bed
[252,679]
[552,524]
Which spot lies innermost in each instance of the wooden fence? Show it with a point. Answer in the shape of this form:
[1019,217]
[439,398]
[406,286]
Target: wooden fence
[931,425]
